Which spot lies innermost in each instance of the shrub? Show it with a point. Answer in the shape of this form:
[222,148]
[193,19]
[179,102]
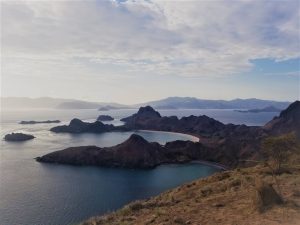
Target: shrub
[276,150]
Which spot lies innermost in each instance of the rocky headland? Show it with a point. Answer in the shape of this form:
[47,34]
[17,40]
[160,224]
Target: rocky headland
[16,137]
[135,152]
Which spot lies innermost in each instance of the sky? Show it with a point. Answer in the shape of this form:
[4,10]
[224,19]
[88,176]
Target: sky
[136,51]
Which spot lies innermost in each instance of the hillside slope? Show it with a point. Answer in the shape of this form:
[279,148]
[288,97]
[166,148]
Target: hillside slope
[224,198]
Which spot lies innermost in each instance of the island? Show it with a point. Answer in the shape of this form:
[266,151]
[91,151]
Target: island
[107,108]
[35,122]
[17,137]
[78,126]
[105,118]
[229,145]
[266,109]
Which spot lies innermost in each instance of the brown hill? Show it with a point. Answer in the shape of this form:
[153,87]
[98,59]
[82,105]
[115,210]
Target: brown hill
[245,196]
[287,121]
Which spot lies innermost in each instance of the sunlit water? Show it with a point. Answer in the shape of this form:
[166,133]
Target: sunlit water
[32,193]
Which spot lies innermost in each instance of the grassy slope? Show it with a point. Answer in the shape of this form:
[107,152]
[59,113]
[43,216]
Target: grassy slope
[224,198]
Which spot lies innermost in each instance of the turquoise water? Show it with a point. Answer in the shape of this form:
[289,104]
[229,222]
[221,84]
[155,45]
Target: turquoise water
[43,194]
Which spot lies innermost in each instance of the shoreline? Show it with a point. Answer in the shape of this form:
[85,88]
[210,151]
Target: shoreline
[213,164]
[194,138]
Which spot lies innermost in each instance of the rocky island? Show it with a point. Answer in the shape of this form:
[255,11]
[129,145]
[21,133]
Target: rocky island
[16,137]
[266,109]
[35,122]
[78,126]
[230,145]
[105,118]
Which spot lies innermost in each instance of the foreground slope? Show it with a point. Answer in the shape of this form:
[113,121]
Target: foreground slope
[244,196]
[225,198]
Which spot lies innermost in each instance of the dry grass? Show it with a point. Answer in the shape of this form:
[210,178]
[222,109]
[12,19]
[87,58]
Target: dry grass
[231,197]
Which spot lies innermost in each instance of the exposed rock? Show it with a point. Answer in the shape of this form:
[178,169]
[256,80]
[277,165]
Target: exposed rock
[18,137]
[105,118]
[35,122]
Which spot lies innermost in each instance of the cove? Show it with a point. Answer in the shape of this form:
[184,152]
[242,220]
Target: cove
[59,194]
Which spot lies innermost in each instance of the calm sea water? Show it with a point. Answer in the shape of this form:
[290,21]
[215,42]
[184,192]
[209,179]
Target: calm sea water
[43,194]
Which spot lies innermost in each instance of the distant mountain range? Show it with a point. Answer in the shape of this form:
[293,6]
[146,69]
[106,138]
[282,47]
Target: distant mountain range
[54,103]
[167,103]
[195,103]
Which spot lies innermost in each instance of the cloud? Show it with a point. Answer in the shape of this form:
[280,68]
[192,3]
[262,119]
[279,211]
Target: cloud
[195,38]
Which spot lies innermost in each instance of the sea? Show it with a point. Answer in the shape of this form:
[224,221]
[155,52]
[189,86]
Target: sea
[33,193]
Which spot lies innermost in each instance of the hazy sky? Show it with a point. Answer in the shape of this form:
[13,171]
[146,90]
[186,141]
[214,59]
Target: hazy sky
[135,51]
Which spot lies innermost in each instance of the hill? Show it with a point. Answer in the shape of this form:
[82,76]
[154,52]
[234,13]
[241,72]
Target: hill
[241,196]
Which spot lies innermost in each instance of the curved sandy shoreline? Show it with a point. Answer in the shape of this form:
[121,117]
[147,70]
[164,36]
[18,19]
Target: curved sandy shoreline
[193,138]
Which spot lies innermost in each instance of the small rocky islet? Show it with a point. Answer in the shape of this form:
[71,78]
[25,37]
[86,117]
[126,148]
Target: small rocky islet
[18,137]
[105,118]
[36,122]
